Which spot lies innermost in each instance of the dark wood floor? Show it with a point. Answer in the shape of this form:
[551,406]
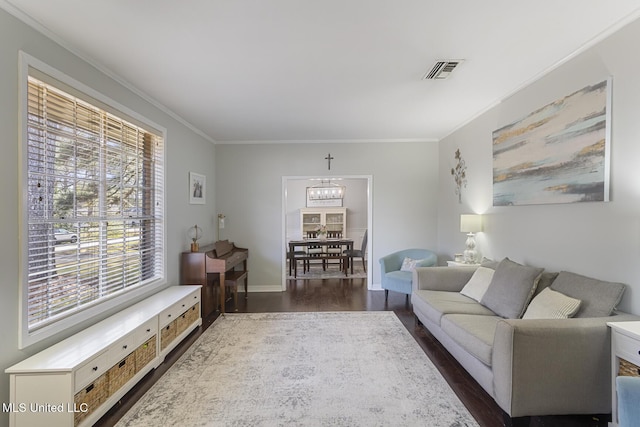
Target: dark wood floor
[352,295]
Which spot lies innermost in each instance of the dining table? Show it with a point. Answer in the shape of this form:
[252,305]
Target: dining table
[344,255]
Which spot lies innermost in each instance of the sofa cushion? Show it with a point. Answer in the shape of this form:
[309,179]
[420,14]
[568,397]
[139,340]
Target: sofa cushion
[599,298]
[473,333]
[478,284]
[435,304]
[550,304]
[511,288]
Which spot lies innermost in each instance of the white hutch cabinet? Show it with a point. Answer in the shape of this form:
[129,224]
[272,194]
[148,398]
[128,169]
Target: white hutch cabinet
[335,219]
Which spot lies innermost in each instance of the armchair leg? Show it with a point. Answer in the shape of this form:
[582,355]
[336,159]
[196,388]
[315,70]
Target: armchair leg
[386,295]
[364,265]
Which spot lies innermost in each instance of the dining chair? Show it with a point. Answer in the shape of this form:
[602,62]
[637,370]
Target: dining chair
[334,249]
[359,253]
[315,250]
[298,255]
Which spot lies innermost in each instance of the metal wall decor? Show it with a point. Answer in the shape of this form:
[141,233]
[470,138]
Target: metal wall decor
[459,173]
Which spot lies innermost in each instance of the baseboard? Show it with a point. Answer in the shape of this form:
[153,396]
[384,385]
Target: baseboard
[272,288]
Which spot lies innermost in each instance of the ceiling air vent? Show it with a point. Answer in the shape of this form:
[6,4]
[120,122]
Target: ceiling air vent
[442,69]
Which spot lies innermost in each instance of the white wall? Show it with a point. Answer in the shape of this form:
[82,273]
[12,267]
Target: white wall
[186,151]
[595,239]
[249,193]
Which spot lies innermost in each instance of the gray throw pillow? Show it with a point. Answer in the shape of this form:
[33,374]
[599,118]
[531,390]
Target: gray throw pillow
[599,298]
[489,263]
[511,289]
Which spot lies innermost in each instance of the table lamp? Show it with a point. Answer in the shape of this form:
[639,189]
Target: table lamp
[195,233]
[470,224]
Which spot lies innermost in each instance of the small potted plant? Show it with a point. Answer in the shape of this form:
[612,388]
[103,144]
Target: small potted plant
[322,232]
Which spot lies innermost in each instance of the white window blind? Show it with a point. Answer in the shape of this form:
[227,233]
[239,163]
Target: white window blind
[94,205]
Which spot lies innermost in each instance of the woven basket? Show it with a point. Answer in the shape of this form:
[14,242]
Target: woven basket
[628,369]
[145,353]
[91,397]
[121,372]
[187,318]
[193,313]
[182,322]
[168,334]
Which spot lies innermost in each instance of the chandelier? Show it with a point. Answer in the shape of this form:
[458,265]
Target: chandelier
[326,190]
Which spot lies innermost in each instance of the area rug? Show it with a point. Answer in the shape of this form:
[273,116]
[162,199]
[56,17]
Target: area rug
[302,369]
[332,272]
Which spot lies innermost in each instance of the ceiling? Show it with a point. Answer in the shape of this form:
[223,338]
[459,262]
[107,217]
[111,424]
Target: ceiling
[326,70]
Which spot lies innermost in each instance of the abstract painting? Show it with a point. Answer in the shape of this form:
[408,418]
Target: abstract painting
[558,153]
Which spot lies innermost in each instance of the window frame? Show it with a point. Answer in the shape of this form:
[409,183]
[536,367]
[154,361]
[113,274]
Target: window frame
[102,305]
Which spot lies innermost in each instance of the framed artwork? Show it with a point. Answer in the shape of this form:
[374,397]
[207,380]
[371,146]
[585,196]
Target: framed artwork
[558,153]
[197,189]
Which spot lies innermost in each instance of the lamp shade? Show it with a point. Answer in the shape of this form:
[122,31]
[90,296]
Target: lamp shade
[470,223]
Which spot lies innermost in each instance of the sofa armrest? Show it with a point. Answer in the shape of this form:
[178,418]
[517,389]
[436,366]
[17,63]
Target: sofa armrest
[547,367]
[441,278]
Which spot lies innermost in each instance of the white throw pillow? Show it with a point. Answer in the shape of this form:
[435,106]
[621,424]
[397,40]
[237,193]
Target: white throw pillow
[409,264]
[478,284]
[550,304]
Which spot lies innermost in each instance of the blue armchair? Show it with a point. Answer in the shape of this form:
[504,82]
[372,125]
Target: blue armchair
[401,281]
[628,396]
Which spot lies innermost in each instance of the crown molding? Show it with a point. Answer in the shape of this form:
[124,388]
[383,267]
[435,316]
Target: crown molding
[28,20]
[330,141]
[586,46]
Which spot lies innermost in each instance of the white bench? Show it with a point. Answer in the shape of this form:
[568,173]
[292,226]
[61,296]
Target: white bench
[76,381]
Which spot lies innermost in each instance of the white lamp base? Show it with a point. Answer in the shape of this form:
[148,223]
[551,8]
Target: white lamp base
[470,253]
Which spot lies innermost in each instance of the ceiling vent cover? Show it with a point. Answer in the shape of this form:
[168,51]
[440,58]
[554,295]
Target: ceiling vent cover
[442,69]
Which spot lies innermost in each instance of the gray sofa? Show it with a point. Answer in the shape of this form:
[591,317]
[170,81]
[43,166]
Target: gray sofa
[530,367]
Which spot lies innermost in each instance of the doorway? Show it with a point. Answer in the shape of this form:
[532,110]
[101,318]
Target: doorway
[358,190]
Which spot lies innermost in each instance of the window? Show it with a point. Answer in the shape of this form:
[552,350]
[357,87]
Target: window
[93,205]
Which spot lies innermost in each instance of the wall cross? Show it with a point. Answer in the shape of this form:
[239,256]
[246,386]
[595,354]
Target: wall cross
[328,159]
